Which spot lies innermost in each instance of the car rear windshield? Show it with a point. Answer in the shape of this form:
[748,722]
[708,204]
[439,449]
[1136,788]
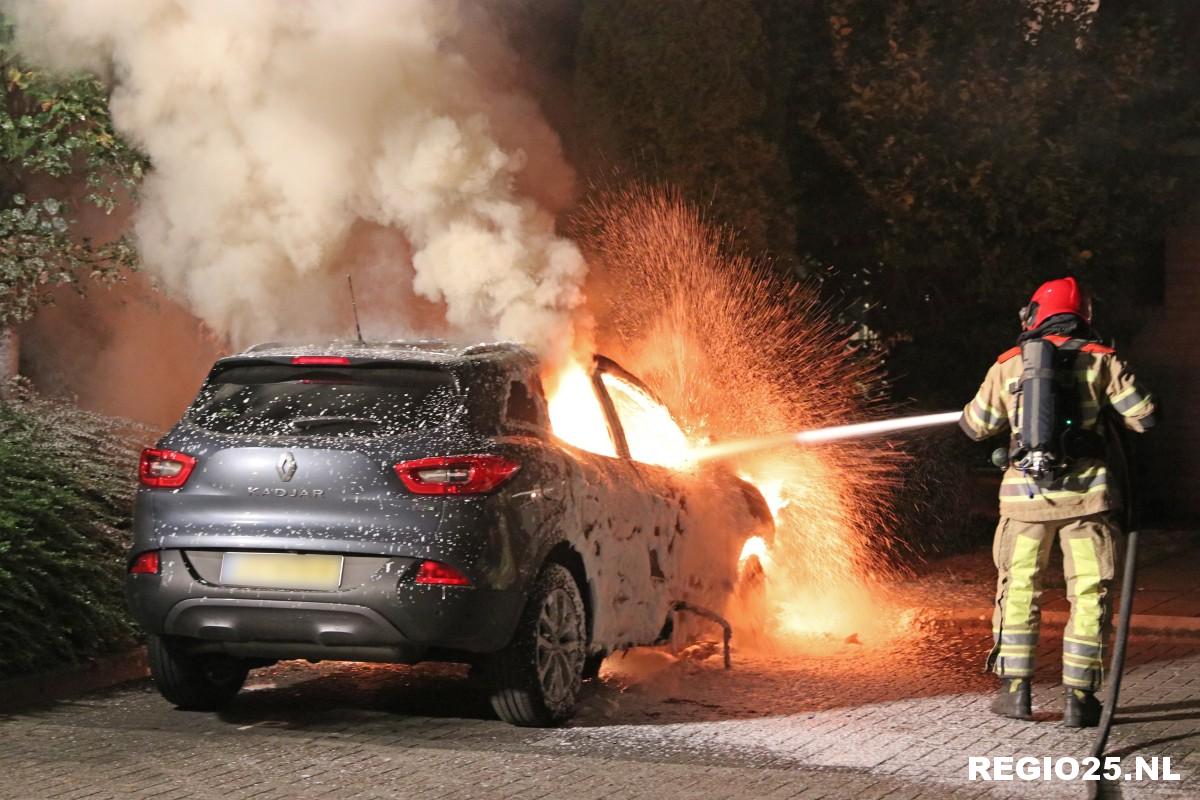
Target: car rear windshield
[287,400]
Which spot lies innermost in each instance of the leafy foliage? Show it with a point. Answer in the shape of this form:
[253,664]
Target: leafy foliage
[678,92]
[993,145]
[68,479]
[58,152]
[933,161]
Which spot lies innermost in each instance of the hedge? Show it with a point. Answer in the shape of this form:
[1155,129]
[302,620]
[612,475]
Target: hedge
[67,479]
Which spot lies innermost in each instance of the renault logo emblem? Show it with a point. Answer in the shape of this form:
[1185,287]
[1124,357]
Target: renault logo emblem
[286,467]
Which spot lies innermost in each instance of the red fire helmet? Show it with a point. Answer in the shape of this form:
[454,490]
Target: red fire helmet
[1061,296]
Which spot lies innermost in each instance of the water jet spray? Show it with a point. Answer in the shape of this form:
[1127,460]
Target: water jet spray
[822,435]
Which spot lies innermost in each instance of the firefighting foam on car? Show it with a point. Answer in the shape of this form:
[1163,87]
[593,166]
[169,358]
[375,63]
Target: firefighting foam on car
[407,501]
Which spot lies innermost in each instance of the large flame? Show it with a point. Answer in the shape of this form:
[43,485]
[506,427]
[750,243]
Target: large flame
[734,353]
[651,433]
[575,412]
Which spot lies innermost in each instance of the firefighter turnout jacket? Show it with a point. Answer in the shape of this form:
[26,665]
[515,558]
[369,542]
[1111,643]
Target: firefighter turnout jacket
[1076,507]
[1085,487]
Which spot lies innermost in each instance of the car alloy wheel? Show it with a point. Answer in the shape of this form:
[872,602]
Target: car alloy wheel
[560,648]
[535,679]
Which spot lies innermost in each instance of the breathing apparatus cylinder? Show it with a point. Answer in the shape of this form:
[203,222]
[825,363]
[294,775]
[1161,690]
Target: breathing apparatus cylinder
[1036,453]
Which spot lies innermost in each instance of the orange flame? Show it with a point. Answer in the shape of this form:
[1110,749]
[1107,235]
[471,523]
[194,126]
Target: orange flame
[735,353]
[575,412]
[651,433]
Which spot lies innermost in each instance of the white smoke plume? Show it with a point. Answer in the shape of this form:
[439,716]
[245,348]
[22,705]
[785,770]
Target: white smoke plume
[279,130]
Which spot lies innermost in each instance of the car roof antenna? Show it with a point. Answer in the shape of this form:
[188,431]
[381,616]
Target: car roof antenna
[354,307]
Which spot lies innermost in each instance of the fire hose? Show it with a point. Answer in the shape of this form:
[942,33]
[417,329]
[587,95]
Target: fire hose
[1128,574]
[1128,578]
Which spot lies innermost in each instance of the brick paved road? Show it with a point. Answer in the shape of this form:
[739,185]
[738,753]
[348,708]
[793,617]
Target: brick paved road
[857,721]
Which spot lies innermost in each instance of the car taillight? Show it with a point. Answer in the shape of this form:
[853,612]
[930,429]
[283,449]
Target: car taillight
[435,573]
[456,474]
[165,469]
[320,361]
[145,564]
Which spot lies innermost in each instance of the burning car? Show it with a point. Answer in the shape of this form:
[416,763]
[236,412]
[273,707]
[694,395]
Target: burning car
[410,501]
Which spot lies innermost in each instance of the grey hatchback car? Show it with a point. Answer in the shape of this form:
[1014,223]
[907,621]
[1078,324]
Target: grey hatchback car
[401,502]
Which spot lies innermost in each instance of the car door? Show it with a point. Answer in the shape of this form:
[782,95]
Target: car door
[699,519]
[607,511]
[644,546]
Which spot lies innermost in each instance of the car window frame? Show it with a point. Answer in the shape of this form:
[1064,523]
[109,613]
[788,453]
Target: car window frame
[537,396]
[601,366]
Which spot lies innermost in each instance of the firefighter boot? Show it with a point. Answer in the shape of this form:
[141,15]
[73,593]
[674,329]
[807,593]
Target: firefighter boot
[1082,709]
[1013,699]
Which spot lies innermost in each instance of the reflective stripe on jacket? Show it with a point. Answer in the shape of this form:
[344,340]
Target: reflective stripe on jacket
[1105,381]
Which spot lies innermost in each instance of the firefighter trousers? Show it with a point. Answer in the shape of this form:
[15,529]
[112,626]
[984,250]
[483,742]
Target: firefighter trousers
[1022,551]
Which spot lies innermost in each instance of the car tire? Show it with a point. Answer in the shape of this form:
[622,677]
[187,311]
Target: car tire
[194,682]
[535,680]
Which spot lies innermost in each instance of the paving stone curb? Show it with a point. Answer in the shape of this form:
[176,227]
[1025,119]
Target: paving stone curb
[46,687]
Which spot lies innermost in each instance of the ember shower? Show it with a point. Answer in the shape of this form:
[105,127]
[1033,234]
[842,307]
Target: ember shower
[734,350]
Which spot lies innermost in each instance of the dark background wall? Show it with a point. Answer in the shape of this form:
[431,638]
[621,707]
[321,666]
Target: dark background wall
[1166,354]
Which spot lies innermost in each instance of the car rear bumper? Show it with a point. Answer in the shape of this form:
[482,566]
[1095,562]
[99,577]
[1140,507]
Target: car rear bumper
[385,618]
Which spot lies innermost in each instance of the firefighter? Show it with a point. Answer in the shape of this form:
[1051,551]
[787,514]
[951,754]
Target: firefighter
[1051,391]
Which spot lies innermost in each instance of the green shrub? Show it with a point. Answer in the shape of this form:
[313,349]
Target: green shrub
[67,479]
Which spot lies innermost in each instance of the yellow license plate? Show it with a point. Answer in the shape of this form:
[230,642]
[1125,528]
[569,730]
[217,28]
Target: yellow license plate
[282,570]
